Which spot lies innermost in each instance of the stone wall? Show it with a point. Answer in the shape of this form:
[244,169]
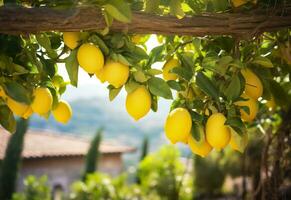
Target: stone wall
[62,171]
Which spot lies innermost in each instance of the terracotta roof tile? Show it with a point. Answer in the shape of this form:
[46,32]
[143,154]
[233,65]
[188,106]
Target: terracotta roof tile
[42,143]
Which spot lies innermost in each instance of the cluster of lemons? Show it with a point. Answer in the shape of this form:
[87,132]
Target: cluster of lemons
[41,104]
[91,59]
[216,134]
[178,125]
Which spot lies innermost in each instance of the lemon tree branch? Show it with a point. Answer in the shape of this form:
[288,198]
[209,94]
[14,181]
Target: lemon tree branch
[20,20]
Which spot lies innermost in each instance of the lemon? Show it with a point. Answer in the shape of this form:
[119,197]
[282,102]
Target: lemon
[201,147]
[116,73]
[238,142]
[217,134]
[71,39]
[90,58]
[160,39]
[2,92]
[27,113]
[238,3]
[63,112]
[136,39]
[16,107]
[169,65]
[100,75]
[42,101]
[253,86]
[138,102]
[178,125]
[251,104]
[271,104]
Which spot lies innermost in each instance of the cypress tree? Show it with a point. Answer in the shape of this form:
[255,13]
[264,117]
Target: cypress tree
[93,154]
[144,152]
[11,162]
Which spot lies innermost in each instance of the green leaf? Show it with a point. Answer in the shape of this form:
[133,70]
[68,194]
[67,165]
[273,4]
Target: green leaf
[186,59]
[216,65]
[113,92]
[8,122]
[176,9]
[222,64]
[159,87]
[174,85]
[195,131]
[131,85]
[100,43]
[207,86]
[108,18]
[120,58]
[196,116]
[152,6]
[280,95]
[263,61]
[183,72]
[154,72]
[237,124]
[45,42]
[72,67]
[154,105]
[156,54]
[119,10]
[18,92]
[139,76]
[50,67]
[234,88]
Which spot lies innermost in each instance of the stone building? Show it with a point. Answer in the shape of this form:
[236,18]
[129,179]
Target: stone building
[61,157]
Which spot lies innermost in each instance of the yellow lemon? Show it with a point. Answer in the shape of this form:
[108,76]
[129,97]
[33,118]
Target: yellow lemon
[178,125]
[16,107]
[63,112]
[169,65]
[271,104]
[138,102]
[160,39]
[238,142]
[136,39]
[253,86]
[238,3]
[27,113]
[100,75]
[200,147]
[217,134]
[116,73]
[42,101]
[90,58]
[71,39]
[2,92]
[251,104]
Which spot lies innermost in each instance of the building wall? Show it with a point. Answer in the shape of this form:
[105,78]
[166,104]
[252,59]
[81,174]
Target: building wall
[63,171]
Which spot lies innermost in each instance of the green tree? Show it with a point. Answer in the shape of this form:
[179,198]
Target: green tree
[93,154]
[11,161]
[208,176]
[35,189]
[144,152]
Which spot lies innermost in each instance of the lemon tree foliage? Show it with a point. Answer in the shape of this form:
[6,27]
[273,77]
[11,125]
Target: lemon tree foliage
[219,86]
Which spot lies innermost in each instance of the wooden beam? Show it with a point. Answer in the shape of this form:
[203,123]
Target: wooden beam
[18,20]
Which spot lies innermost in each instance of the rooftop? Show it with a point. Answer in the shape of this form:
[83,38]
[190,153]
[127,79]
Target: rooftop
[42,143]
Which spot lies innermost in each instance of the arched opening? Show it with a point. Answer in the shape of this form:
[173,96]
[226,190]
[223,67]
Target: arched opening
[58,192]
